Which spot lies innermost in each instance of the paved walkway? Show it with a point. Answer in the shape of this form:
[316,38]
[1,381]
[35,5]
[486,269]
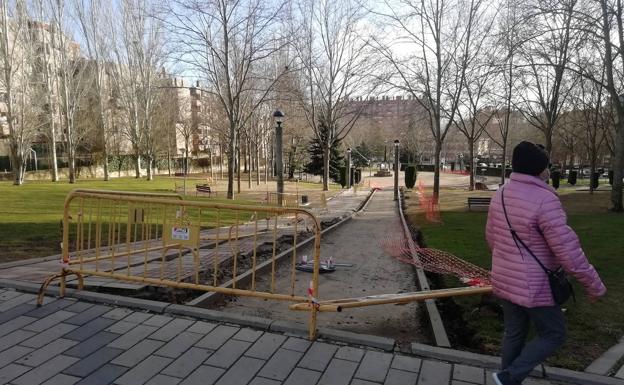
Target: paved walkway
[68,341]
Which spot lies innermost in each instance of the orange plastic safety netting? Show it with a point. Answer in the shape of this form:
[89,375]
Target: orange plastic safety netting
[428,204]
[437,261]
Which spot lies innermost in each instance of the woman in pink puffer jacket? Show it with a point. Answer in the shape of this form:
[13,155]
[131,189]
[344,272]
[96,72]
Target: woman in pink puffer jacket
[535,213]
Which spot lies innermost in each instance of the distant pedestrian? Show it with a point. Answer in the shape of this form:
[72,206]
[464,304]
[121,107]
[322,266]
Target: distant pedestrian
[531,208]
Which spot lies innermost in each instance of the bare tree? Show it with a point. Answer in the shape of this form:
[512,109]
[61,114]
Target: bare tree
[225,43]
[47,65]
[474,116]
[335,66]
[91,16]
[601,24]
[440,39]
[589,107]
[186,126]
[213,118]
[510,35]
[568,134]
[477,104]
[73,84]
[22,112]
[138,52]
[261,129]
[544,59]
[612,27]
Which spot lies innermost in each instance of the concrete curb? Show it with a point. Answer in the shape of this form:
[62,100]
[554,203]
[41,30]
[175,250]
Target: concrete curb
[607,361]
[110,299]
[493,363]
[435,320]
[219,316]
[383,343]
[31,261]
[289,327]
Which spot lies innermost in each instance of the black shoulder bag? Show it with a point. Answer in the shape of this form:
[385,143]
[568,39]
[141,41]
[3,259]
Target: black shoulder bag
[559,285]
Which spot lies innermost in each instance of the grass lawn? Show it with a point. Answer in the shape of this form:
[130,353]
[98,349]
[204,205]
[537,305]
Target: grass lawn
[592,328]
[31,213]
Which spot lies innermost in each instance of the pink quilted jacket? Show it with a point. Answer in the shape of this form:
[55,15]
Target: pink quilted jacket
[536,214]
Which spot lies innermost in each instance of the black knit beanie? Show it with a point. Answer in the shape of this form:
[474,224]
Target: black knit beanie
[529,158]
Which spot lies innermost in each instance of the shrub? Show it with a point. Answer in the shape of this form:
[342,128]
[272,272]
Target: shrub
[595,180]
[410,176]
[556,177]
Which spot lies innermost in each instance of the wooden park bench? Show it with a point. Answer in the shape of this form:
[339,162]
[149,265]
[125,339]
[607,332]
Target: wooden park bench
[479,202]
[204,189]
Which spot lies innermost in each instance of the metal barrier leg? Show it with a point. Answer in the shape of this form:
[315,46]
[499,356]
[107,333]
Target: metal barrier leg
[61,275]
[312,325]
[62,288]
[44,286]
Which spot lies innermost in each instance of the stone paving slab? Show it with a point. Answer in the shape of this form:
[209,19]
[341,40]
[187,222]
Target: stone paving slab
[128,347]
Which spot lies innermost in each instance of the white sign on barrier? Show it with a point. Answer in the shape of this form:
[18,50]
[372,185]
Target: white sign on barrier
[180,233]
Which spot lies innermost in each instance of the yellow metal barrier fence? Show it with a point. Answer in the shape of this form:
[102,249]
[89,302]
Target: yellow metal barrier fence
[288,199]
[163,241]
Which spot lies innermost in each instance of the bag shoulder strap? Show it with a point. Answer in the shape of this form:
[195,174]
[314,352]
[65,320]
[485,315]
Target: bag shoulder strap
[516,237]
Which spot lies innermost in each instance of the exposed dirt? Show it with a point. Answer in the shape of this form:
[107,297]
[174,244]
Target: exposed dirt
[225,270]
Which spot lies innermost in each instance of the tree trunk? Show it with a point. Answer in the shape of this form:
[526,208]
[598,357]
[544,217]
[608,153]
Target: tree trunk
[266,164]
[504,163]
[231,162]
[210,163]
[19,170]
[105,152]
[49,92]
[257,155]
[137,163]
[548,138]
[102,118]
[71,164]
[249,162]
[326,154]
[150,171]
[169,160]
[53,156]
[471,162]
[618,165]
[238,169]
[246,165]
[436,171]
[18,165]
[592,170]
[221,161]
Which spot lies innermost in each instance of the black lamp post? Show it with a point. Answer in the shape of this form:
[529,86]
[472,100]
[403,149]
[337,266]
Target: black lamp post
[279,118]
[396,170]
[348,176]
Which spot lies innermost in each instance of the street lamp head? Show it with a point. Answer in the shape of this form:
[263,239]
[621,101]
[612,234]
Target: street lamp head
[278,116]
[396,143]
[349,150]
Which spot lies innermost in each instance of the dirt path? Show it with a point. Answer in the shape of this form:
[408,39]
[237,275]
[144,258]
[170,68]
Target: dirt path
[359,242]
